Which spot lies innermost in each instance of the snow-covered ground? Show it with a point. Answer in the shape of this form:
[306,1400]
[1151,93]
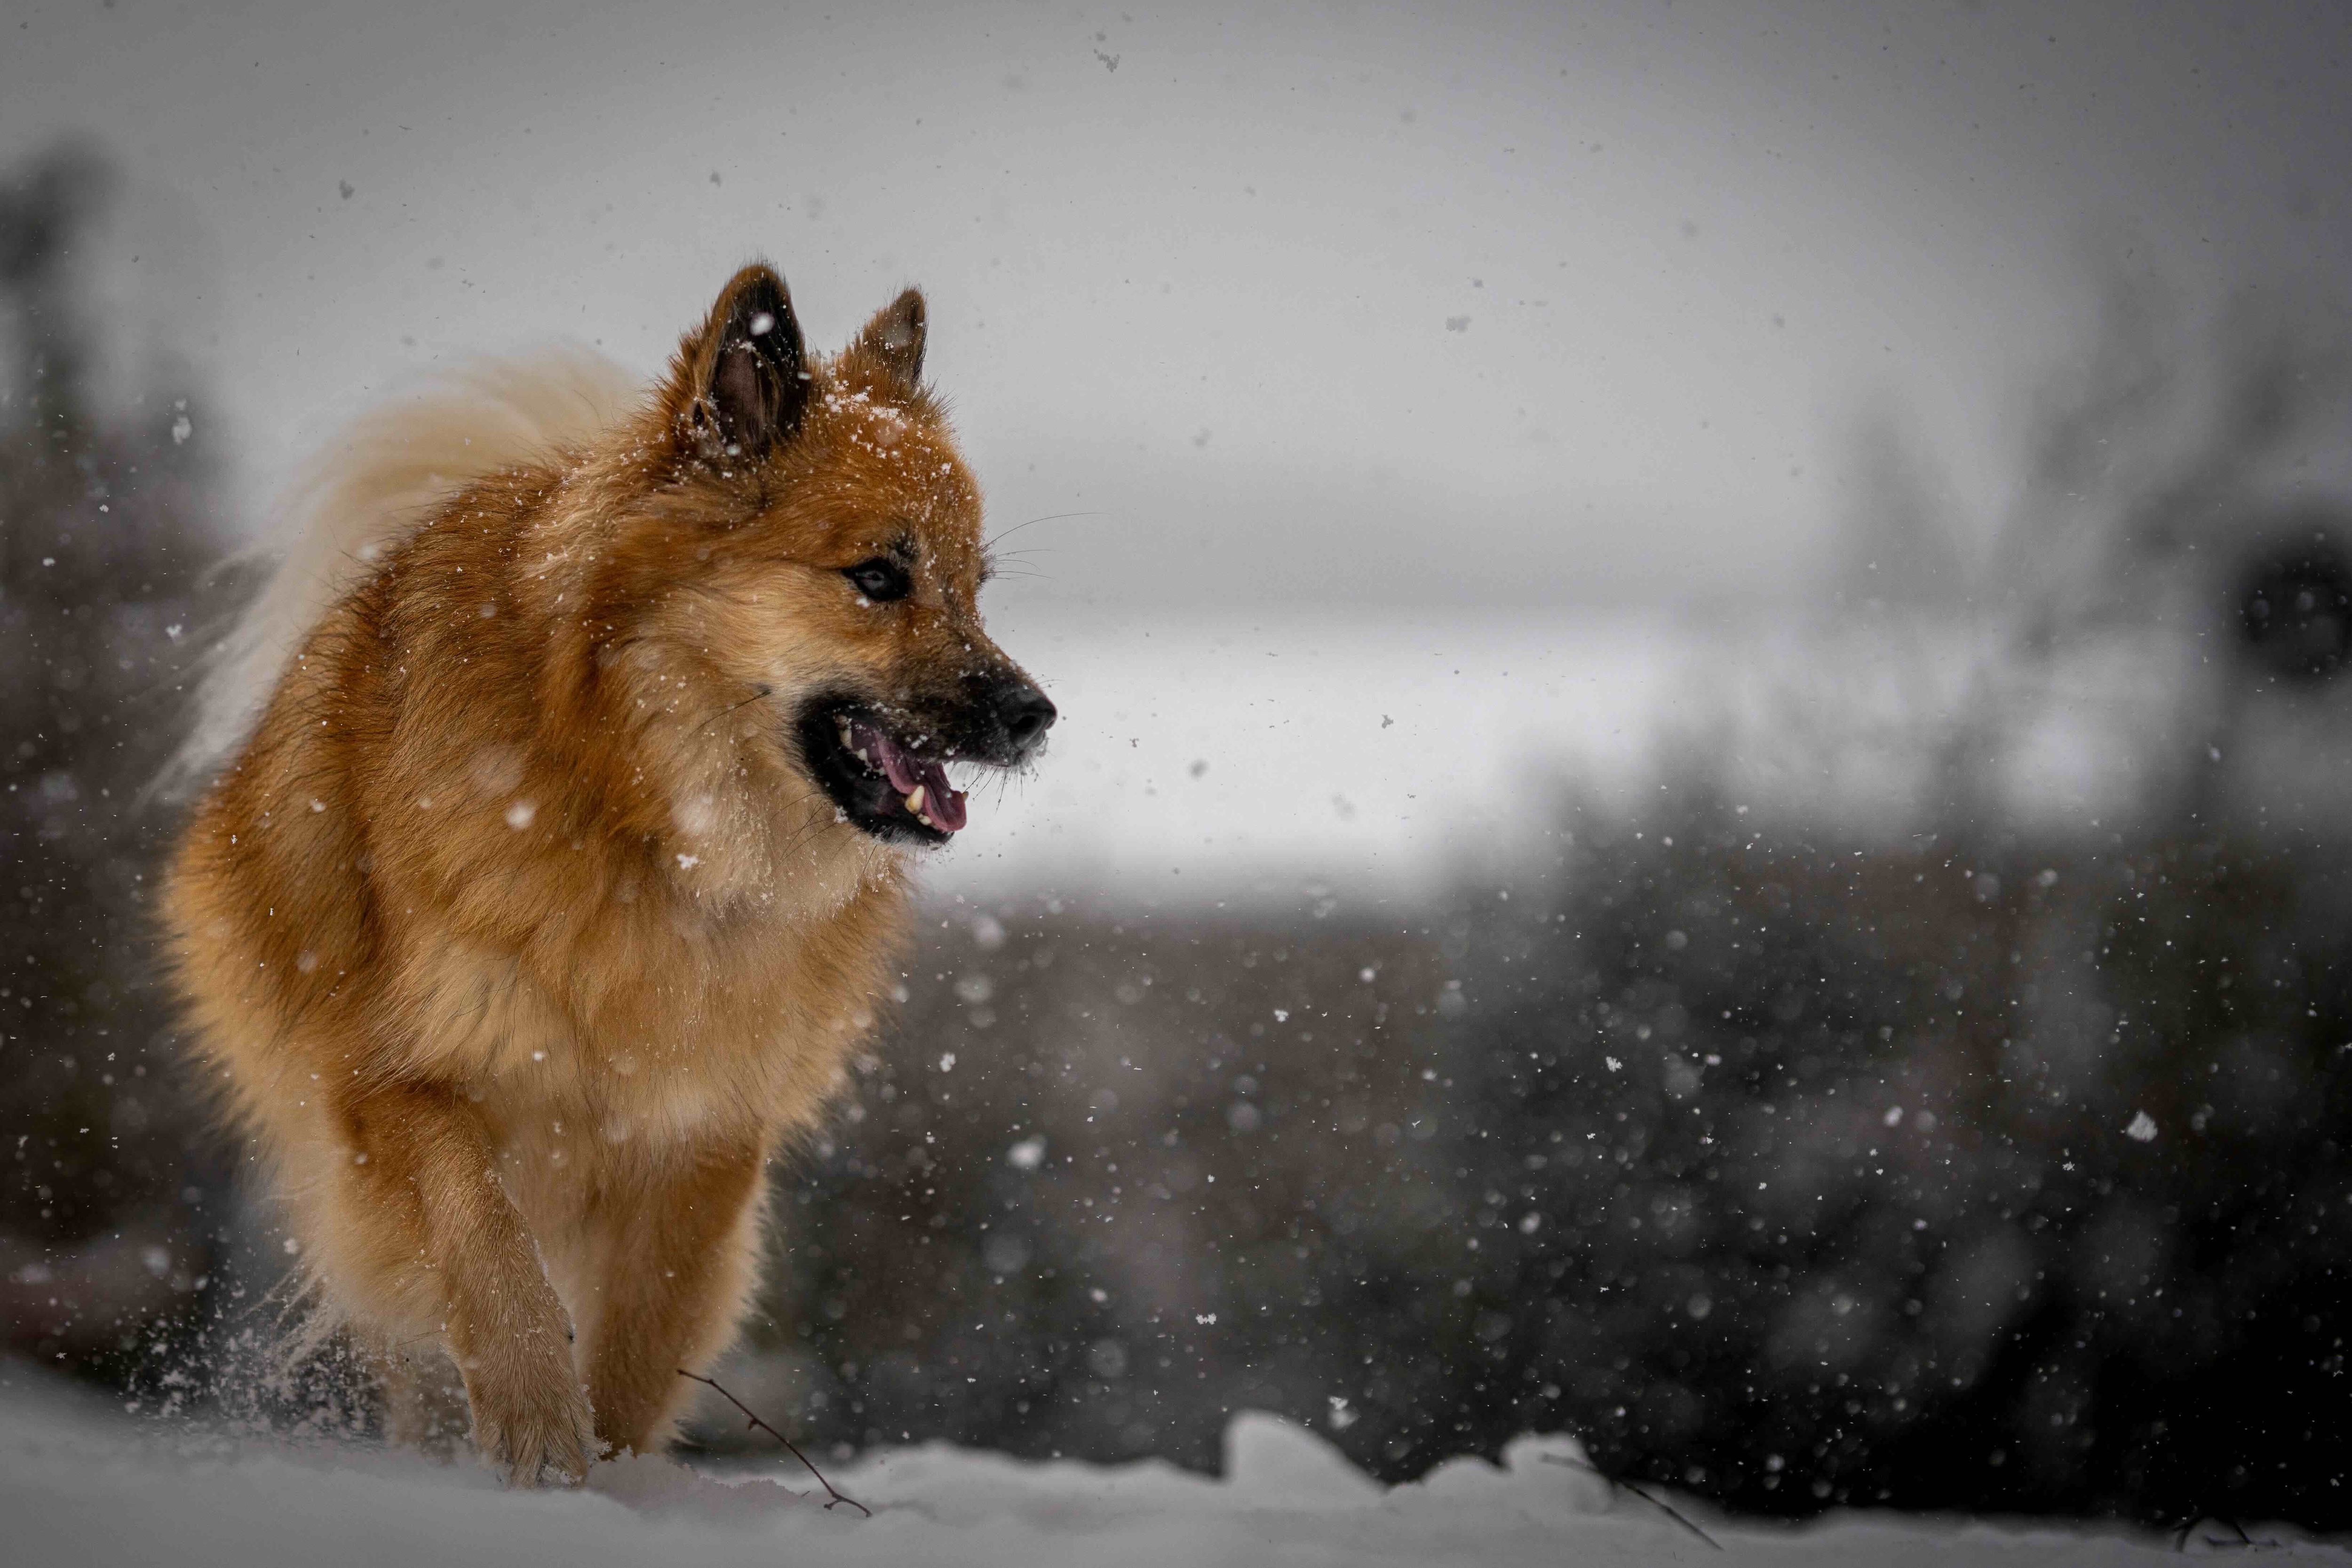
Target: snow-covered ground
[1202,758]
[1196,755]
[79,1483]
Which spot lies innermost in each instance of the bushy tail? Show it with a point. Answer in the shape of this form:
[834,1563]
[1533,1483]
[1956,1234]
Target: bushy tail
[361,497]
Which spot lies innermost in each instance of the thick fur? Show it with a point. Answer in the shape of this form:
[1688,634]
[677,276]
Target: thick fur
[371,486]
[518,932]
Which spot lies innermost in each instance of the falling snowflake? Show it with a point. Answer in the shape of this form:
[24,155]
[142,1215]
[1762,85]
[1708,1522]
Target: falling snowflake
[2142,1128]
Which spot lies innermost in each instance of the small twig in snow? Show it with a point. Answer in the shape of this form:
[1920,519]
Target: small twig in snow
[2243,1543]
[832,1494]
[1669,1510]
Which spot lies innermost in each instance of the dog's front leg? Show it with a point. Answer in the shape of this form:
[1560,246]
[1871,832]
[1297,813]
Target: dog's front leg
[677,1249]
[424,1222]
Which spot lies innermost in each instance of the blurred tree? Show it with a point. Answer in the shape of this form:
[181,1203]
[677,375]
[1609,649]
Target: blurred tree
[1898,549]
[2294,608]
[106,524]
[2173,469]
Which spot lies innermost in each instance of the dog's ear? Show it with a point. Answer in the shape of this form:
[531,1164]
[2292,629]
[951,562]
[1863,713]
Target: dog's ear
[740,384]
[893,339]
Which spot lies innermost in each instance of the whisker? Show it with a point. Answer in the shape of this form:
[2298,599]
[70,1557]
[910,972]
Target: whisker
[766,690]
[1055,517]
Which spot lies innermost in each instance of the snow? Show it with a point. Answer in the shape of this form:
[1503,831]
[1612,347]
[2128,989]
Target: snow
[1194,755]
[1202,759]
[1386,752]
[81,1483]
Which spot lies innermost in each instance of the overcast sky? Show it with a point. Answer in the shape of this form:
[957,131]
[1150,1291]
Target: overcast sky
[1441,304]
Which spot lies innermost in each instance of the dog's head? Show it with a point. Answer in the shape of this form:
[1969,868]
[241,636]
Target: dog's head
[824,541]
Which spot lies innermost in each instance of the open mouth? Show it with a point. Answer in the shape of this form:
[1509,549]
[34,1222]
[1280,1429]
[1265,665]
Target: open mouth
[882,782]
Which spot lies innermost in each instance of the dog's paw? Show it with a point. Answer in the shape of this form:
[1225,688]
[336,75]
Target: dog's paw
[532,1424]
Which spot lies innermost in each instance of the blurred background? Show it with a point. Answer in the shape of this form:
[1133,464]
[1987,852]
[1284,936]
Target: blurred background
[1702,791]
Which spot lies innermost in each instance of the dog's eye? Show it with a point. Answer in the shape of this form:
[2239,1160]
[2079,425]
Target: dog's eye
[880,579]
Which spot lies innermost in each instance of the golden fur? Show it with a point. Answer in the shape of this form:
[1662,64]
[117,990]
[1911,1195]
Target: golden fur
[522,932]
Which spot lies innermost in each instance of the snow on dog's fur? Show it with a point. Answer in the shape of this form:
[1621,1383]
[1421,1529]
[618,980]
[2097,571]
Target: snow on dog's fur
[561,868]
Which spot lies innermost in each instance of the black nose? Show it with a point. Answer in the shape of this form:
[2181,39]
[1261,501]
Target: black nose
[1026,714]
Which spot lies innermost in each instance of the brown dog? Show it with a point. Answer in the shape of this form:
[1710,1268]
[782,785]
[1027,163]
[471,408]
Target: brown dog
[563,868]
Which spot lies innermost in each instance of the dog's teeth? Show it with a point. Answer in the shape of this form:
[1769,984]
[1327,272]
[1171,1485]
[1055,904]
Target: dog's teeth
[863,757]
[915,802]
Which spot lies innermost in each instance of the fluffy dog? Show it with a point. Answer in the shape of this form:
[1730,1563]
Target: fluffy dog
[564,865]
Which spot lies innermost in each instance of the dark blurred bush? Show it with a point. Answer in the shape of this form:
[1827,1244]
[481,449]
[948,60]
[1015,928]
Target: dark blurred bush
[106,524]
[1083,1201]
[1793,1171]
[1984,1175]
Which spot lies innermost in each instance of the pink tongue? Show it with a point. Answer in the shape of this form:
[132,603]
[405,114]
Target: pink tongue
[941,802]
